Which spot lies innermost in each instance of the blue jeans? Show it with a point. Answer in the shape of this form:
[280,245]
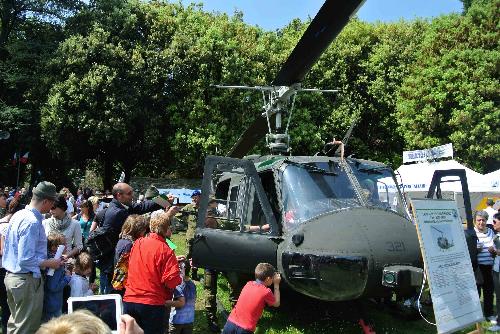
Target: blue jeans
[231,328]
[49,315]
[105,286]
[149,317]
[105,275]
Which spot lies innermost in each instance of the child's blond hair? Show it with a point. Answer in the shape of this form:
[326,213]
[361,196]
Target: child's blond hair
[134,226]
[78,322]
[83,262]
[160,223]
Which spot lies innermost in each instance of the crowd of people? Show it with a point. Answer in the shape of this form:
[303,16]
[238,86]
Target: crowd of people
[155,283]
[141,264]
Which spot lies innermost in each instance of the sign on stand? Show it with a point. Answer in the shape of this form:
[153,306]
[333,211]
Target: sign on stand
[437,152]
[448,265]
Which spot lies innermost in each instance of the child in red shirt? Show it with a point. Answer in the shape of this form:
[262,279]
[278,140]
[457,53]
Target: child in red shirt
[254,296]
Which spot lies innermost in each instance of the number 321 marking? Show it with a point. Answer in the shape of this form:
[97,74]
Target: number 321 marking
[395,246]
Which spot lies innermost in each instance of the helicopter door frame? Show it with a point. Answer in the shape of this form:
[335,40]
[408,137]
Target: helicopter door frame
[211,245]
[250,172]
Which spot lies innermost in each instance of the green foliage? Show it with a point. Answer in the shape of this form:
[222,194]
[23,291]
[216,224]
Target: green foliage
[452,92]
[23,90]
[208,50]
[109,98]
[126,85]
[15,13]
[368,63]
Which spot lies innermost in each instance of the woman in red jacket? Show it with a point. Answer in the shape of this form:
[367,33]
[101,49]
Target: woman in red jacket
[153,273]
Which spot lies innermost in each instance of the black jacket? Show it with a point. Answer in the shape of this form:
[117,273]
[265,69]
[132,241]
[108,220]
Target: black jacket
[113,218]
[116,213]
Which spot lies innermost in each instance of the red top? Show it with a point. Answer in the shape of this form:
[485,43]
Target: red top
[153,272]
[250,305]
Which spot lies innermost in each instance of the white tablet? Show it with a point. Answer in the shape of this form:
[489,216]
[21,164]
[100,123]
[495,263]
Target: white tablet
[107,307]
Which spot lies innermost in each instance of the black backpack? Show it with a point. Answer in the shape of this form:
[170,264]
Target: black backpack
[102,241]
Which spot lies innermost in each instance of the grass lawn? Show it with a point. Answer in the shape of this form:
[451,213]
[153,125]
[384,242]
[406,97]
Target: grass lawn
[306,316]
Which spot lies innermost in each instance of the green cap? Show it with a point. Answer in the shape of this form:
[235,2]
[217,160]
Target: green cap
[45,190]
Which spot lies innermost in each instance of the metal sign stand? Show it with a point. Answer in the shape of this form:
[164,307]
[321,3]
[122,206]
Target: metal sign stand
[478,330]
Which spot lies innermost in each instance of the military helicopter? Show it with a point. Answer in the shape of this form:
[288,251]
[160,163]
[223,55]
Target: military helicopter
[327,222]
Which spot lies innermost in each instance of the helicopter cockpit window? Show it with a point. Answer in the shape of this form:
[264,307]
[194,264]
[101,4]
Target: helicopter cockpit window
[221,211]
[378,186]
[311,189]
[233,202]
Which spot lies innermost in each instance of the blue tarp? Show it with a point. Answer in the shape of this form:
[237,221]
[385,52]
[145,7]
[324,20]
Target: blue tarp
[183,194]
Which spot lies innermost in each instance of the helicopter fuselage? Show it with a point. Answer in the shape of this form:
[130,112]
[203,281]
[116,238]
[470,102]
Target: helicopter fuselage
[330,226]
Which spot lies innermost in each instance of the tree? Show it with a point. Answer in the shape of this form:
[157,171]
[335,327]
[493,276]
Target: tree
[213,49]
[367,63]
[14,13]
[451,94]
[109,97]
[23,91]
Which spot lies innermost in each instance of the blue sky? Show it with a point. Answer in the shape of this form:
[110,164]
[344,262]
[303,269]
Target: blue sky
[274,14]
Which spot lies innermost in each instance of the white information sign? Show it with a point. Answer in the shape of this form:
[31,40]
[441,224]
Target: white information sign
[428,154]
[448,266]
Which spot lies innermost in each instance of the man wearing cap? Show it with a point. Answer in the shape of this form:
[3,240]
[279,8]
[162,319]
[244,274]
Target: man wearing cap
[24,255]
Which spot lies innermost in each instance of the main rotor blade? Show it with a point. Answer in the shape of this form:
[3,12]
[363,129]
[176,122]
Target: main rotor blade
[328,23]
[249,138]
[261,88]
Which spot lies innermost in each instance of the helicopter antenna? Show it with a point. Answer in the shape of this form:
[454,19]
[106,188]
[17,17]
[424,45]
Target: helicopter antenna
[348,133]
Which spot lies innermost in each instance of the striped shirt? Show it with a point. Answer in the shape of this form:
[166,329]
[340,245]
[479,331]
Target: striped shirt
[483,256]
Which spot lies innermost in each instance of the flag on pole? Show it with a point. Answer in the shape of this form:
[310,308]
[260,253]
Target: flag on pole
[14,160]
[24,158]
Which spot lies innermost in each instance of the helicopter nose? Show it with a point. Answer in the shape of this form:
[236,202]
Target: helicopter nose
[341,256]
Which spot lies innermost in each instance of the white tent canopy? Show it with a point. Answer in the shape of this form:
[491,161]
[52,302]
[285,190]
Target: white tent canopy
[417,177]
[493,179]
[416,180]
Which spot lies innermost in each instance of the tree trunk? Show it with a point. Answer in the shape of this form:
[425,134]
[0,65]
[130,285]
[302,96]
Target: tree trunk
[108,172]
[128,165]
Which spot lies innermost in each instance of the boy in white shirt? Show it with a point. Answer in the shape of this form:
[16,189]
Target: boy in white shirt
[80,286]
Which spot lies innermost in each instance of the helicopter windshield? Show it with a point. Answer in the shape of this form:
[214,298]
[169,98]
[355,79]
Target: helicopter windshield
[314,188]
[378,186]
[311,189]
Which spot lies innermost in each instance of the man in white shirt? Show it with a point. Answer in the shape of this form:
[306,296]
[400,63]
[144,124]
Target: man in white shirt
[489,209]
